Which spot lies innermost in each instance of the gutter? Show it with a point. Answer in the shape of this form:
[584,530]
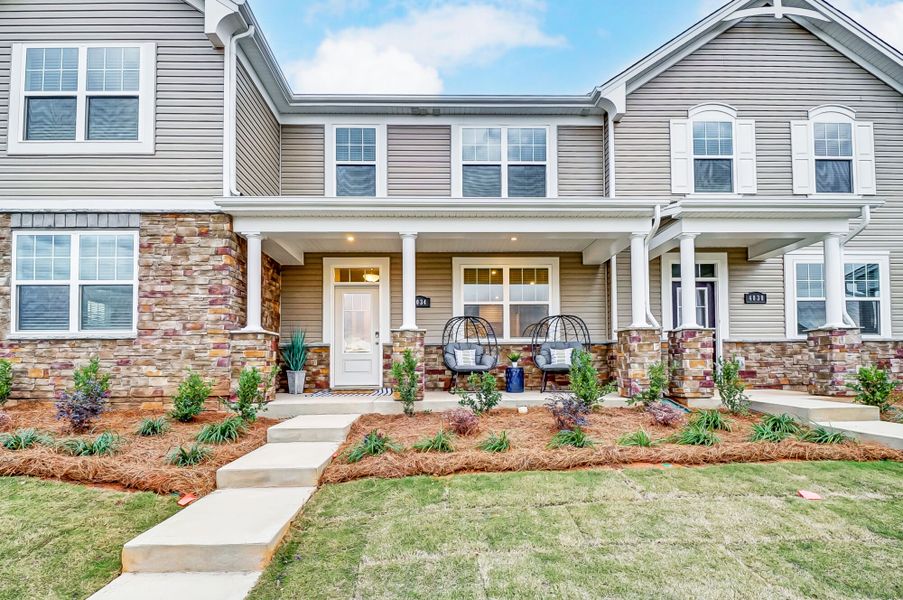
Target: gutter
[866,219]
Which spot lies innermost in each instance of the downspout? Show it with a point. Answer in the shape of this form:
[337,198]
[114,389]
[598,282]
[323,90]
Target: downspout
[231,111]
[613,262]
[866,219]
[656,222]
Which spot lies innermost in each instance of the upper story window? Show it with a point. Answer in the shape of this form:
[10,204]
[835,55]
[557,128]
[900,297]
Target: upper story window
[82,99]
[713,156]
[355,161]
[504,162]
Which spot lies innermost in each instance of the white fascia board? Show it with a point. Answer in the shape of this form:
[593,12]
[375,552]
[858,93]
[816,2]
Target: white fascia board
[221,20]
[601,251]
[282,253]
[106,205]
[401,119]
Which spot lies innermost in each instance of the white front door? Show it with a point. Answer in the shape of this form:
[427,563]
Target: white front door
[357,352]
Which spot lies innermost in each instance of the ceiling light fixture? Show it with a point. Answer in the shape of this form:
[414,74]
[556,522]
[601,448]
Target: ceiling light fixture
[371,277]
[514,238]
[350,238]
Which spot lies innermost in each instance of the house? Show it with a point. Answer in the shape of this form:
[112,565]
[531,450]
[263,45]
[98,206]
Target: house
[167,202]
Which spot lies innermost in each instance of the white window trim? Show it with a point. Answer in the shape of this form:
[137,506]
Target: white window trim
[551,162]
[505,262]
[720,113]
[74,282]
[381,158]
[17,143]
[832,114]
[722,291]
[881,258]
[329,284]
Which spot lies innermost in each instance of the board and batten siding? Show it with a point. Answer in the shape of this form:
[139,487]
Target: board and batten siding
[419,160]
[773,72]
[582,161]
[188,160]
[257,142]
[303,160]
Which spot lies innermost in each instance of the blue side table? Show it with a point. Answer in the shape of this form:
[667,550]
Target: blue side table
[514,380]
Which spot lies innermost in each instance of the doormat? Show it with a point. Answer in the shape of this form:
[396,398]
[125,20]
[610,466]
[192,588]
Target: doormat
[386,391]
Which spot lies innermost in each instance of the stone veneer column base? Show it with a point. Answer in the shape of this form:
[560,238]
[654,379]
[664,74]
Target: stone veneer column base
[407,339]
[254,349]
[835,356]
[691,355]
[636,350]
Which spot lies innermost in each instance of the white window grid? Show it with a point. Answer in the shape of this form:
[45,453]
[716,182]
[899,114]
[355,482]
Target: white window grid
[503,157]
[715,145]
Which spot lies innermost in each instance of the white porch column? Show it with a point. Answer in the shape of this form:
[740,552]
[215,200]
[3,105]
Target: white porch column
[687,282]
[255,282]
[408,281]
[834,284]
[639,279]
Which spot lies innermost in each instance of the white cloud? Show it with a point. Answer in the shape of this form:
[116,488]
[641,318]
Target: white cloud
[884,19]
[408,55]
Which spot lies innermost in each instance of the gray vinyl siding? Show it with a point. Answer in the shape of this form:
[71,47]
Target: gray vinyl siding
[189,105]
[581,161]
[772,72]
[303,160]
[419,160]
[258,144]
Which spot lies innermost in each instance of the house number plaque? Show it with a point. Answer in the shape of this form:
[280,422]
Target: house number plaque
[755,298]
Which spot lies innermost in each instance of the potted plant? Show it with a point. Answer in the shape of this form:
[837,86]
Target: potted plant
[295,355]
[514,357]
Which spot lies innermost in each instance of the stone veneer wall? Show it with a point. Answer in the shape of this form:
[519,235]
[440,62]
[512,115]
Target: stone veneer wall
[636,351]
[885,354]
[772,364]
[691,363]
[835,360]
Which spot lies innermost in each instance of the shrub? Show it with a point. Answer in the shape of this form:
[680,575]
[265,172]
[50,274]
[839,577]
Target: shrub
[88,398]
[730,386]
[774,428]
[150,427]
[6,380]
[820,435]
[568,411]
[571,437]
[22,439]
[637,438]
[295,352]
[711,420]
[462,421]
[496,442]
[658,383]
[694,435]
[188,457]
[585,379]
[222,432]
[5,421]
[103,445]
[666,414]
[190,397]
[407,380]
[250,396]
[486,396]
[873,387]
[441,442]
[373,444]
[609,387]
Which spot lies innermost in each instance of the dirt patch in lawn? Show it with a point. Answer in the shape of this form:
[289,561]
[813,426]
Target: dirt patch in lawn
[139,464]
[530,434]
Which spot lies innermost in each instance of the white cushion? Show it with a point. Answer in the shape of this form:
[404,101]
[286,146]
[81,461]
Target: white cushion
[561,357]
[466,358]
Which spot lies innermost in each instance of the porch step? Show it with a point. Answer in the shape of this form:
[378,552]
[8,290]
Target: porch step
[883,432]
[810,408]
[286,406]
[287,464]
[197,586]
[312,428]
[226,531]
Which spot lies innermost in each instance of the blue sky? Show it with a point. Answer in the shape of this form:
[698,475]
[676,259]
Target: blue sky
[486,46]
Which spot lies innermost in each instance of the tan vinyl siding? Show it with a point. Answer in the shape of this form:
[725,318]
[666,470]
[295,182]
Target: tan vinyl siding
[258,144]
[303,160]
[755,321]
[189,105]
[581,161]
[419,160]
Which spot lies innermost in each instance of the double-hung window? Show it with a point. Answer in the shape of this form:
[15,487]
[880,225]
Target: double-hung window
[510,162]
[355,161]
[74,283]
[713,156]
[71,99]
[833,158]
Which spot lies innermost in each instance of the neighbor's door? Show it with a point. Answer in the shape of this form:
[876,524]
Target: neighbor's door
[358,354]
[705,305]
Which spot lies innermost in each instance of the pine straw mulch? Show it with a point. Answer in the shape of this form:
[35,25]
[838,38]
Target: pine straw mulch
[139,464]
[530,433]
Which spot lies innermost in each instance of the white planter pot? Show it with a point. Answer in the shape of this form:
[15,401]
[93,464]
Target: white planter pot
[296,381]
[514,364]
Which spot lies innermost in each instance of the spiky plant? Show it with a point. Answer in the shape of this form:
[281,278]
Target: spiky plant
[441,442]
[182,456]
[222,432]
[373,444]
[696,435]
[22,439]
[496,442]
[575,438]
[775,428]
[821,435]
[712,420]
[105,444]
[150,427]
[636,438]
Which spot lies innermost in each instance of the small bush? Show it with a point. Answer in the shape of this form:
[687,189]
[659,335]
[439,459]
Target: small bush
[568,412]
[694,435]
[571,437]
[105,444]
[658,384]
[407,381]
[711,419]
[730,386]
[462,421]
[151,427]
[486,395]
[22,439]
[775,428]
[873,387]
[820,435]
[441,442]
[496,442]
[373,444]
[250,396]
[222,432]
[637,438]
[188,457]
[609,387]
[6,380]
[666,414]
[584,379]
[88,398]
[5,421]
[190,397]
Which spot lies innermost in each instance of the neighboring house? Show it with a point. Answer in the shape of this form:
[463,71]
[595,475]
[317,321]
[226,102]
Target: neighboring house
[166,202]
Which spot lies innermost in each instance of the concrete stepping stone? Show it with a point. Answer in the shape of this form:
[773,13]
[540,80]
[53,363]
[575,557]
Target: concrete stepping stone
[312,428]
[808,408]
[226,531]
[287,464]
[287,407]
[883,432]
[196,586]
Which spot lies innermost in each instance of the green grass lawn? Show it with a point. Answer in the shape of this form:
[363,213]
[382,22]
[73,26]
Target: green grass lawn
[59,540]
[735,531]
